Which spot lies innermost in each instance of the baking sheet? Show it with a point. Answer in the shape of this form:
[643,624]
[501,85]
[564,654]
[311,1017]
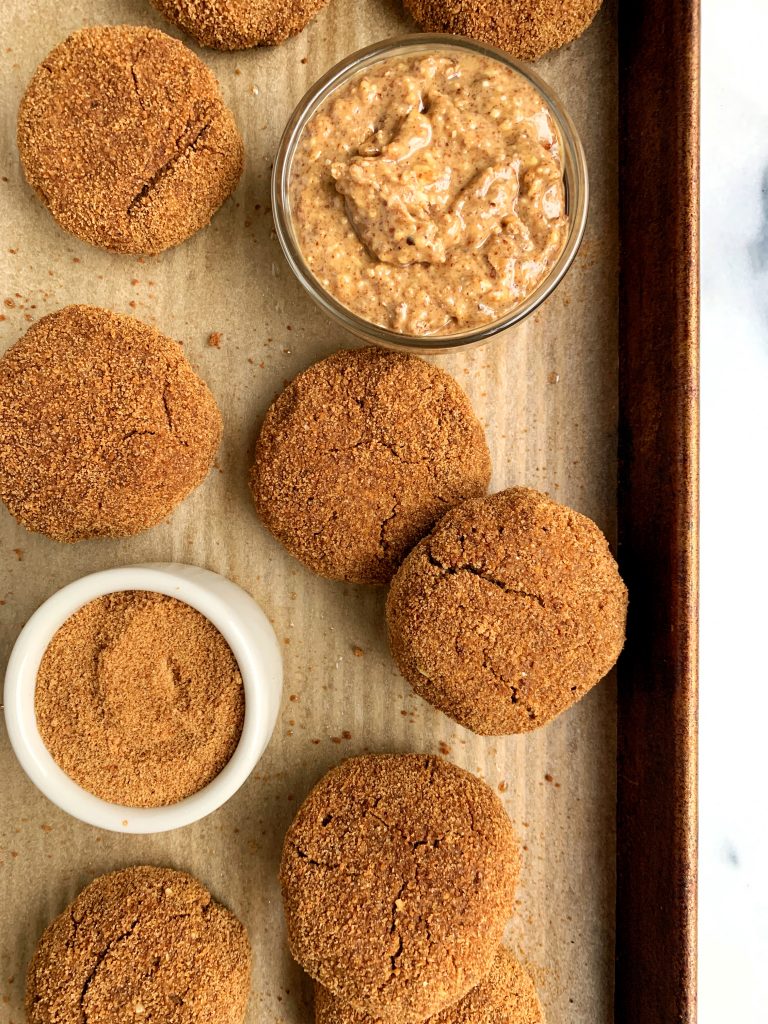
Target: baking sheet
[547,395]
[658,512]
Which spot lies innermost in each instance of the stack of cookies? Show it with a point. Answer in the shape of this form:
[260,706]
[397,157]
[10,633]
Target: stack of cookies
[398,878]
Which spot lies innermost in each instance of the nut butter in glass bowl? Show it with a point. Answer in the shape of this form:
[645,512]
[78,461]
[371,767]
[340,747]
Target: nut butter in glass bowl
[429,192]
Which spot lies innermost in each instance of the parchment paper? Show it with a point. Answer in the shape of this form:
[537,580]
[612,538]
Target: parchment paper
[547,396]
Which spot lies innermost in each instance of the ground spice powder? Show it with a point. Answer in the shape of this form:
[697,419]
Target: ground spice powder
[139,699]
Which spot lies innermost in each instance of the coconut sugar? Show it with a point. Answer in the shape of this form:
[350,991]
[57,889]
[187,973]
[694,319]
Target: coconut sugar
[139,699]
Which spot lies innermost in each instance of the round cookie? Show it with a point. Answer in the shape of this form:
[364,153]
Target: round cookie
[398,877]
[144,943]
[508,612]
[106,426]
[506,995]
[123,134]
[240,24]
[360,455]
[526,29]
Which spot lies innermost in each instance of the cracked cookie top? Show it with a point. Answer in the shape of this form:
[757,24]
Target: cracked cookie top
[398,877]
[144,943]
[124,135]
[360,455]
[240,24]
[106,426]
[508,612]
[506,995]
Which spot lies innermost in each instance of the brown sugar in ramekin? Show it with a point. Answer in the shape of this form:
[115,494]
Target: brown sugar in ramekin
[139,699]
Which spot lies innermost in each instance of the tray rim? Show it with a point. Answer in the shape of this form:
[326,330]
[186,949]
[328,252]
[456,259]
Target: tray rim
[656,902]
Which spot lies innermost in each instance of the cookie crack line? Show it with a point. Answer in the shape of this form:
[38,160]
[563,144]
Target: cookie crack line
[75,926]
[134,76]
[454,570]
[332,518]
[167,168]
[514,696]
[138,433]
[303,855]
[422,924]
[514,691]
[169,417]
[384,545]
[414,844]
[167,410]
[136,85]
[373,442]
[396,904]
[101,957]
[324,865]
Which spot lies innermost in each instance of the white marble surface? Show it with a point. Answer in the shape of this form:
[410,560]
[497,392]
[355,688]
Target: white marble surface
[733,904]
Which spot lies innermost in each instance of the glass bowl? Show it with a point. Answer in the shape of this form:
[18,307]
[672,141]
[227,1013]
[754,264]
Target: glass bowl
[574,176]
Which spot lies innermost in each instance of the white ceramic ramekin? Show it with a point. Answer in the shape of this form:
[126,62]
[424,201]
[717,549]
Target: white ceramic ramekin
[243,625]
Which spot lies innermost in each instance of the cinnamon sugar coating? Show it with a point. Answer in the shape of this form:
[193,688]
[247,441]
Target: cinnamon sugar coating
[526,29]
[506,995]
[508,612]
[360,455]
[398,877]
[141,944]
[123,134]
[106,426]
[240,24]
